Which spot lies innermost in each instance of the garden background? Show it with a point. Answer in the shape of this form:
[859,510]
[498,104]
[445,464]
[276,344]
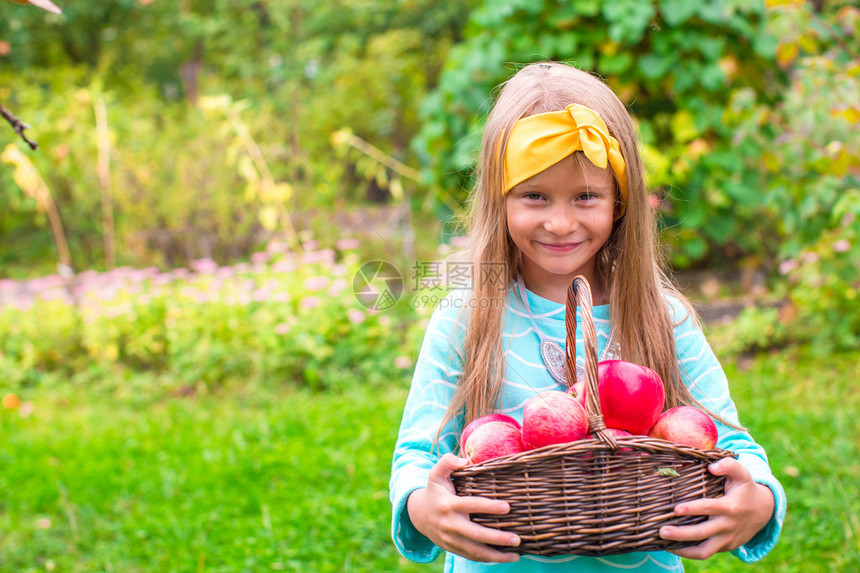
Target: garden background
[189,381]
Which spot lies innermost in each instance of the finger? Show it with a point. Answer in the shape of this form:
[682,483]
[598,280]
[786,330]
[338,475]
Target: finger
[701,551]
[730,468]
[446,464]
[697,532]
[475,504]
[489,535]
[704,506]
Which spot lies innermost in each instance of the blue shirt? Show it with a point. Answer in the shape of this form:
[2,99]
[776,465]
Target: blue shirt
[437,371]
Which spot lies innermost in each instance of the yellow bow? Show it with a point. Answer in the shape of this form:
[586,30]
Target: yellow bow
[540,141]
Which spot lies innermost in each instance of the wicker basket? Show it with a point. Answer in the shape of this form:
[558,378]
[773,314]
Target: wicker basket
[592,497]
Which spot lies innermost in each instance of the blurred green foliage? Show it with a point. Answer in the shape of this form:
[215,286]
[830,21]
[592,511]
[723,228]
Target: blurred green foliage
[675,64]
[301,70]
[286,320]
[747,112]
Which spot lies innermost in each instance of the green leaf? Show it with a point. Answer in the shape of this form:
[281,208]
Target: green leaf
[675,12]
[668,472]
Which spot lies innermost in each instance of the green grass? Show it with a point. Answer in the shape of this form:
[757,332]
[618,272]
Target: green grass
[805,411]
[257,480]
[235,482]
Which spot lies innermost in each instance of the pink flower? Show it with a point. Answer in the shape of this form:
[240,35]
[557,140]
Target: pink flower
[26,409]
[355,316]
[310,302]
[459,241]
[316,283]
[282,328]
[311,245]
[284,266]
[810,257]
[262,294]
[204,266]
[403,362]
[338,286]
[260,257]
[277,247]
[347,244]
[321,256]
[841,246]
[787,266]
[226,272]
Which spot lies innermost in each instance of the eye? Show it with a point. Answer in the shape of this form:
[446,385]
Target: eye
[532,196]
[587,196]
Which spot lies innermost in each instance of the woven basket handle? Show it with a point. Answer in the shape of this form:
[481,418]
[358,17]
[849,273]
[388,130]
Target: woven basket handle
[579,294]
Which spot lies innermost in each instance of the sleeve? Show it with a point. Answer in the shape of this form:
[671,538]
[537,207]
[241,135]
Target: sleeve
[707,382]
[437,371]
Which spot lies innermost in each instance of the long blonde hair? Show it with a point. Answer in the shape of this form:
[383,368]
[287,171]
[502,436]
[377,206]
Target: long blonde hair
[627,265]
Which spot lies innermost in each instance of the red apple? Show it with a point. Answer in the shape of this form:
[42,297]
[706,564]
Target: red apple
[491,440]
[686,425]
[553,417]
[614,432]
[474,424]
[578,390]
[631,396]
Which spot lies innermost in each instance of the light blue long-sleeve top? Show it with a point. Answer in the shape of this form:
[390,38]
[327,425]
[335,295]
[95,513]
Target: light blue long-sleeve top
[436,375]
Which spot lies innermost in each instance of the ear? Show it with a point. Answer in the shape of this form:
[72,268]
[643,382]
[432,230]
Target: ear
[618,211]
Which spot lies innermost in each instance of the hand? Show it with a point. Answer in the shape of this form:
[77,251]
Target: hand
[734,519]
[440,514]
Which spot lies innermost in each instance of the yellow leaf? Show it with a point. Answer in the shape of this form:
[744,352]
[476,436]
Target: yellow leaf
[281,191]
[396,189]
[610,48]
[341,137]
[808,43]
[247,169]
[777,3]
[849,114]
[25,175]
[771,161]
[786,53]
[11,401]
[684,126]
[268,216]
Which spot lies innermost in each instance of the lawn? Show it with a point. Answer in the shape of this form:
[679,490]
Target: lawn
[262,479]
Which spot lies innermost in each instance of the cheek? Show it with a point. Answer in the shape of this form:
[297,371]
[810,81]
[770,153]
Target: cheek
[518,225]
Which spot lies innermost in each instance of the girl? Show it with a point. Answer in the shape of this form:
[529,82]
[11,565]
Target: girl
[560,192]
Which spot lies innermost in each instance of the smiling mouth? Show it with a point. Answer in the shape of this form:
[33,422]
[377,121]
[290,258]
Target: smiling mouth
[559,246]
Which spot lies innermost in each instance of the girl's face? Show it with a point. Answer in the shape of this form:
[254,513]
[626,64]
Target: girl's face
[559,219]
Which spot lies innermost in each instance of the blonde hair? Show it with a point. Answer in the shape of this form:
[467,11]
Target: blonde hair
[627,265]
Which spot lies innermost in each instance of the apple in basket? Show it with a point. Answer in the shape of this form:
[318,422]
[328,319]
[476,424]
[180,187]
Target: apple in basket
[686,425]
[477,422]
[614,432]
[553,417]
[631,396]
[578,390]
[492,440]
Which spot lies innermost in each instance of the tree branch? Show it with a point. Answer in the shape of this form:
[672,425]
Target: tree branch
[18,126]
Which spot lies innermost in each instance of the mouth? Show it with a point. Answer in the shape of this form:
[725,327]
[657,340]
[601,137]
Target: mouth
[559,247]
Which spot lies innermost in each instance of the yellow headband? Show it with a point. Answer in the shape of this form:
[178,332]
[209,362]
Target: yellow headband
[540,141]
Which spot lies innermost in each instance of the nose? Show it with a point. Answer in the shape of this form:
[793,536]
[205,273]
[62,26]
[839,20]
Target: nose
[560,220]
